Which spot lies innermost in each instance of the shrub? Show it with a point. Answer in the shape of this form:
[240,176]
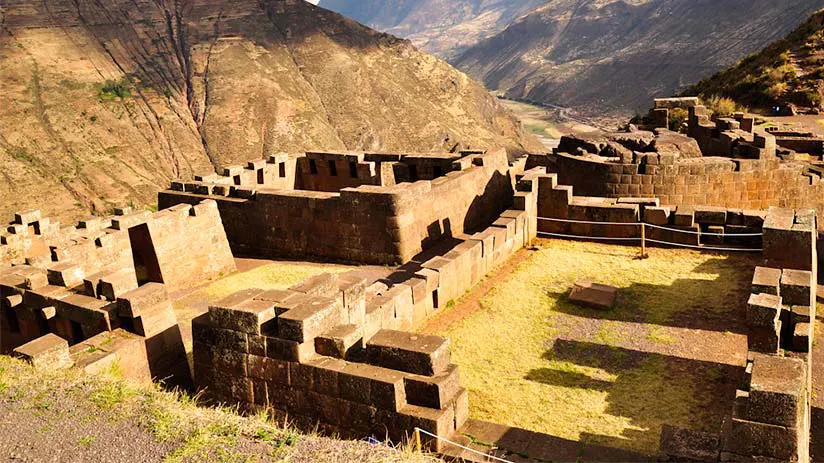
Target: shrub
[677,118]
[722,106]
[115,89]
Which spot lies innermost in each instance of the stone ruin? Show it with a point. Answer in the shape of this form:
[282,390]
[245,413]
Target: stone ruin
[770,419]
[369,208]
[334,349]
[103,286]
[338,350]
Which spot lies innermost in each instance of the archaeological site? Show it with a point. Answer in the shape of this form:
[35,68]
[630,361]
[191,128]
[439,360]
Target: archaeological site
[411,231]
[362,350]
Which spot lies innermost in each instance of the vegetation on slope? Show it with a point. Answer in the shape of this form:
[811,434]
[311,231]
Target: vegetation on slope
[788,71]
[69,416]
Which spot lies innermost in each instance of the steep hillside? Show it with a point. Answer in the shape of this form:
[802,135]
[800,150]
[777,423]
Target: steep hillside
[616,55]
[105,101]
[788,71]
[442,27]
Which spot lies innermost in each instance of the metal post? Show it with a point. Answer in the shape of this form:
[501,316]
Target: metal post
[417,440]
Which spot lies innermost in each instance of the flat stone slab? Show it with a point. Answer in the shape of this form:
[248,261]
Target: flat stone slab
[593,295]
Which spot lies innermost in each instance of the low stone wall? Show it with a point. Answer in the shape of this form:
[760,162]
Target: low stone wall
[333,350]
[722,182]
[770,419]
[369,224]
[688,225]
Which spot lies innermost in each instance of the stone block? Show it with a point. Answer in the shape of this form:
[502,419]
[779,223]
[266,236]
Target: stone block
[116,284]
[134,303]
[341,342]
[66,274]
[706,215]
[252,316]
[763,310]
[684,217]
[802,335]
[409,352]
[766,281]
[46,353]
[438,422]
[326,376]
[796,287]
[765,340]
[657,215]
[777,390]
[788,245]
[436,391]
[292,351]
[309,319]
[801,314]
[756,441]
[713,236]
[593,295]
[685,444]
[324,285]
[27,217]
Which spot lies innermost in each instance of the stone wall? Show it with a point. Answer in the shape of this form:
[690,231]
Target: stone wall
[112,272]
[770,419]
[369,224]
[687,225]
[333,349]
[722,182]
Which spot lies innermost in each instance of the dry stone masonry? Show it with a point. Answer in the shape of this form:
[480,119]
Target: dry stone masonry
[339,350]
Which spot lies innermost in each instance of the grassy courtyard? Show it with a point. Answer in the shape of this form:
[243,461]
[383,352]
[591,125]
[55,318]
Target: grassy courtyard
[671,350]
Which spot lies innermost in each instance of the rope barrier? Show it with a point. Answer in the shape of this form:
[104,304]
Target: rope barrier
[605,238]
[463,447]
[708,248]
[638,224]
[734,235]
[634,224]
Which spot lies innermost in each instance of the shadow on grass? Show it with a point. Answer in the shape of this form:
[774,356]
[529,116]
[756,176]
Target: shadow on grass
[714,305]
[649,389]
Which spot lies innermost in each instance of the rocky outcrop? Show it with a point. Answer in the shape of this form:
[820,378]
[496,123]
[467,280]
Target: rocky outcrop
[104,102]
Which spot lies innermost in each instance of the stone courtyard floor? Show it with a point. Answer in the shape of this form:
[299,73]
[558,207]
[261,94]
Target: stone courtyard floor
[672,350]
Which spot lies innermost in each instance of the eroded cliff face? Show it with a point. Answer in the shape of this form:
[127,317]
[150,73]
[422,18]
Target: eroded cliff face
[104,102]
[614,55]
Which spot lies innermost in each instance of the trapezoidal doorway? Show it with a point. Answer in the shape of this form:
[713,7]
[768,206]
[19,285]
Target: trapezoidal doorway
[146,264]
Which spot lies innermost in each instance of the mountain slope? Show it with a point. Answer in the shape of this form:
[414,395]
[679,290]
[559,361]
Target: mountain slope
[442,27]
[788,71]
[616,55]
[105,101]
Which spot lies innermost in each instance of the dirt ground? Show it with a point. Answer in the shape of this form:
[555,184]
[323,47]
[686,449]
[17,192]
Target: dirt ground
[671,351]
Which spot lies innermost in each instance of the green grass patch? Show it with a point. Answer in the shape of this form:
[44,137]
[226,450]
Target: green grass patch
[112,89]
[110,394]
[86,441]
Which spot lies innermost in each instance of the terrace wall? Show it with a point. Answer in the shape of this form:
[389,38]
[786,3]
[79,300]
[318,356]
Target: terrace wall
[722,182]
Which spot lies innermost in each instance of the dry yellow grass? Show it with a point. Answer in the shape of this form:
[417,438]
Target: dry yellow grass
[533,360]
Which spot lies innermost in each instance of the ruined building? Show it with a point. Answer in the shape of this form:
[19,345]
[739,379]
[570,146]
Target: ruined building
[339,350]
